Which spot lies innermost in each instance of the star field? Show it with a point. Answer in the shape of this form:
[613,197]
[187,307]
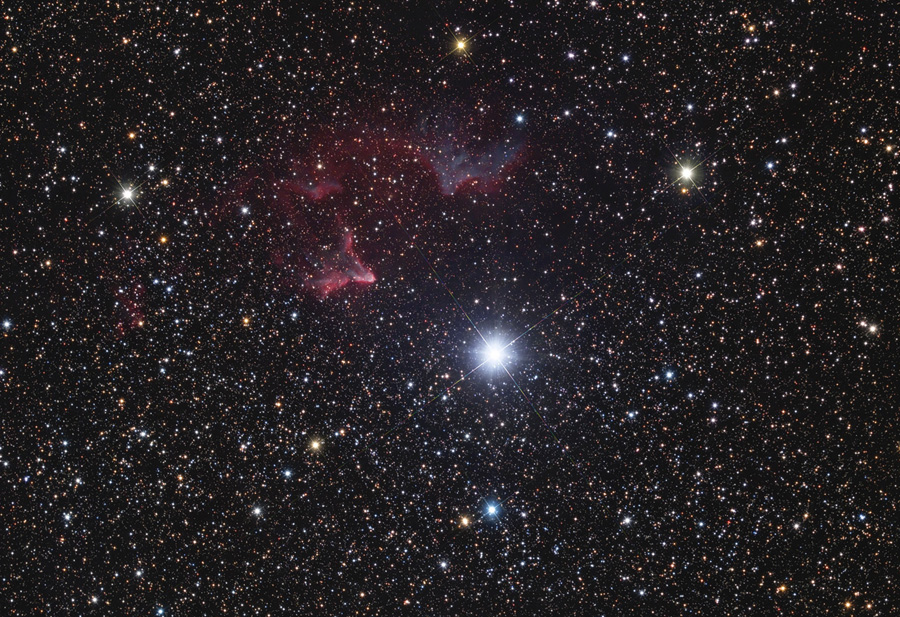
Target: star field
[449,308]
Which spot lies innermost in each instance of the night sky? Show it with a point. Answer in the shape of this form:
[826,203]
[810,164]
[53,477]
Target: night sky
[483,308]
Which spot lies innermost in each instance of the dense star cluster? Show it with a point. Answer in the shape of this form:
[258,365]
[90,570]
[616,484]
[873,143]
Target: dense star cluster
[439,308]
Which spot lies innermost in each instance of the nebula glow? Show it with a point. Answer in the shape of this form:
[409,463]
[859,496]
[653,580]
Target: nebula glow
[340,267]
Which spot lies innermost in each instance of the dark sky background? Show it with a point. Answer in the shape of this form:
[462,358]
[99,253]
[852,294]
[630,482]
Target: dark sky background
[448,308]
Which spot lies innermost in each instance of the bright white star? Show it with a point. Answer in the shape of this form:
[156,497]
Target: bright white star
[495,354]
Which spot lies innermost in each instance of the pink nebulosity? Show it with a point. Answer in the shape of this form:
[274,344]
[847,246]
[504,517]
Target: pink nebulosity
[322,189]
[339,178]
[340,267]
[131,300]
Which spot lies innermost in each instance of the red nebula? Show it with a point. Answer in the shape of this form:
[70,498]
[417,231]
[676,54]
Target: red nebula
[339,267]
[337,178]
[320,190]
[130,299]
